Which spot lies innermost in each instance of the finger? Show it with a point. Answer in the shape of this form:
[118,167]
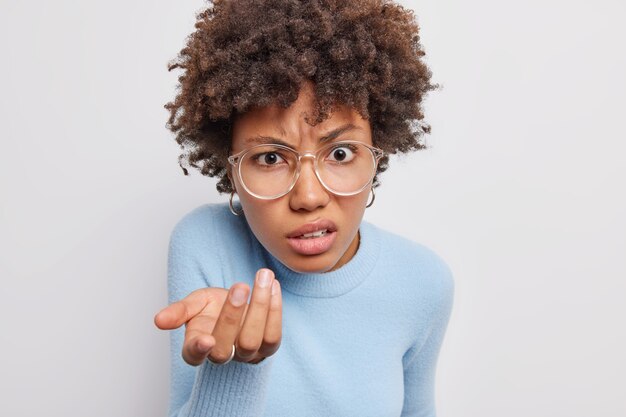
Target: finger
[180,312]
[198,338]
[197,346]
[274,324]
[229,322]
[251,334]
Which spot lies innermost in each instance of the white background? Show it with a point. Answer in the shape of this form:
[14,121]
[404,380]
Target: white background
[522,193]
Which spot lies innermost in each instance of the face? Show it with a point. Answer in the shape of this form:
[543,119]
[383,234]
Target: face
[272,221]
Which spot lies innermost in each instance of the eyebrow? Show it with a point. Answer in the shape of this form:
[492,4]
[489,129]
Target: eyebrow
[329,136]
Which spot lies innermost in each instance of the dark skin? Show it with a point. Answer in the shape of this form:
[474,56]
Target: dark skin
[214,322]
[376,43]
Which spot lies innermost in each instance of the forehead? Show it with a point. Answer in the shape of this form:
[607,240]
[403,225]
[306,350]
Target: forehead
[289,125]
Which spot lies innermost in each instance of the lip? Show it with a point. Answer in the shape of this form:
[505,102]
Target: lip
[312,246]
[320,224]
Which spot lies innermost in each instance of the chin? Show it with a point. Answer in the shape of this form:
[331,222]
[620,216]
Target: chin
[310,265]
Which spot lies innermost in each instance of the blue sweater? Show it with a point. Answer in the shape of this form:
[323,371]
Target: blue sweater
[362,340]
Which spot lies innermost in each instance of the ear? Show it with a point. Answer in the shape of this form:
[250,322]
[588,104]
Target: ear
[229,174]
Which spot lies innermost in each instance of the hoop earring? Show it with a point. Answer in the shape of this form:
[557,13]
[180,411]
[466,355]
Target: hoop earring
[373,198]
[230,203]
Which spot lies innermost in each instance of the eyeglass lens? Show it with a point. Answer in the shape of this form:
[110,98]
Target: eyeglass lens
[270,170]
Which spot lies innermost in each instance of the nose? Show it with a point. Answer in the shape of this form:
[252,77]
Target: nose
[308,193]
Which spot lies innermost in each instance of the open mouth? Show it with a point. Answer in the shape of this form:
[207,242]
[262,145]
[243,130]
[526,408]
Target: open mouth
[313,238]
[313,235]
[313,243]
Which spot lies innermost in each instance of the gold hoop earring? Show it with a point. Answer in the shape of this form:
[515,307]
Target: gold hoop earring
[373,198]
[230,204]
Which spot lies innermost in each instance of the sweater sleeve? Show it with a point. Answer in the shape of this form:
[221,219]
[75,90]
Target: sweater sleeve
[420,361]
[233,389]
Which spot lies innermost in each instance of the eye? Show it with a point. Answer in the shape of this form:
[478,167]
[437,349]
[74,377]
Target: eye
[268,158]
[342,153]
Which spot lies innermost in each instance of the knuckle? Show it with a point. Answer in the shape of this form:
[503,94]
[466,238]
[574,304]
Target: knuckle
[190,336]
[218,355]
[247,345]
[231,319]
[208,317]
[271,342]
[195,292]
[244,352]
[262,302]
[202,291]
[186,313]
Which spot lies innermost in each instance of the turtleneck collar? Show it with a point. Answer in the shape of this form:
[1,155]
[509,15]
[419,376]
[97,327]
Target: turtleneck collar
[333,283]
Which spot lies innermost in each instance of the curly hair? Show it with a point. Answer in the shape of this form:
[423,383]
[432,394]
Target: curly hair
[247,53]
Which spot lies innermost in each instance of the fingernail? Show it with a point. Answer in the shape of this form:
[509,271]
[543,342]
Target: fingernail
[275,287]
[238,297]
[265,278]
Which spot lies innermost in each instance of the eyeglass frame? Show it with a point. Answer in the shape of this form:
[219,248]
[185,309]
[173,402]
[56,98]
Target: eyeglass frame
[234,159]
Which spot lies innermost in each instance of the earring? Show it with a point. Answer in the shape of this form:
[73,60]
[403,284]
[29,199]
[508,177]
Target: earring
[230,203]
[373,198]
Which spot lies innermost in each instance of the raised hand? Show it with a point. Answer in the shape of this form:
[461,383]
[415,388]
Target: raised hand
[216,319]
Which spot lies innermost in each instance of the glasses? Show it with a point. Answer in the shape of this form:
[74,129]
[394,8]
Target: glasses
[270,171]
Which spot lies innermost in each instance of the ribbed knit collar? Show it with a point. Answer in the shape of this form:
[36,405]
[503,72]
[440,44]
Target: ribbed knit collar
[333,283]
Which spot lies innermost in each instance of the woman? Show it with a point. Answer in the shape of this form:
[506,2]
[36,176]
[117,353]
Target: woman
[292,305]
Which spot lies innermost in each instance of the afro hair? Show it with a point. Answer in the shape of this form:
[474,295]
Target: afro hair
[247,53]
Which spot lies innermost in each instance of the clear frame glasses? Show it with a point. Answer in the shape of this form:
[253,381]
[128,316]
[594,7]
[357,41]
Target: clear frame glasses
[270,171]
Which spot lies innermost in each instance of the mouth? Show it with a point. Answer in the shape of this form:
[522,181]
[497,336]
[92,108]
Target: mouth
[314,235]
[313,238]
[314,229]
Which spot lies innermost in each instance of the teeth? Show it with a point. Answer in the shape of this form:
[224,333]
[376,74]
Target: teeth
[319,233]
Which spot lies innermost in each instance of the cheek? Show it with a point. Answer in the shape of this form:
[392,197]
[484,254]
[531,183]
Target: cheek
[263,218]
[357,209]
[354,207]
